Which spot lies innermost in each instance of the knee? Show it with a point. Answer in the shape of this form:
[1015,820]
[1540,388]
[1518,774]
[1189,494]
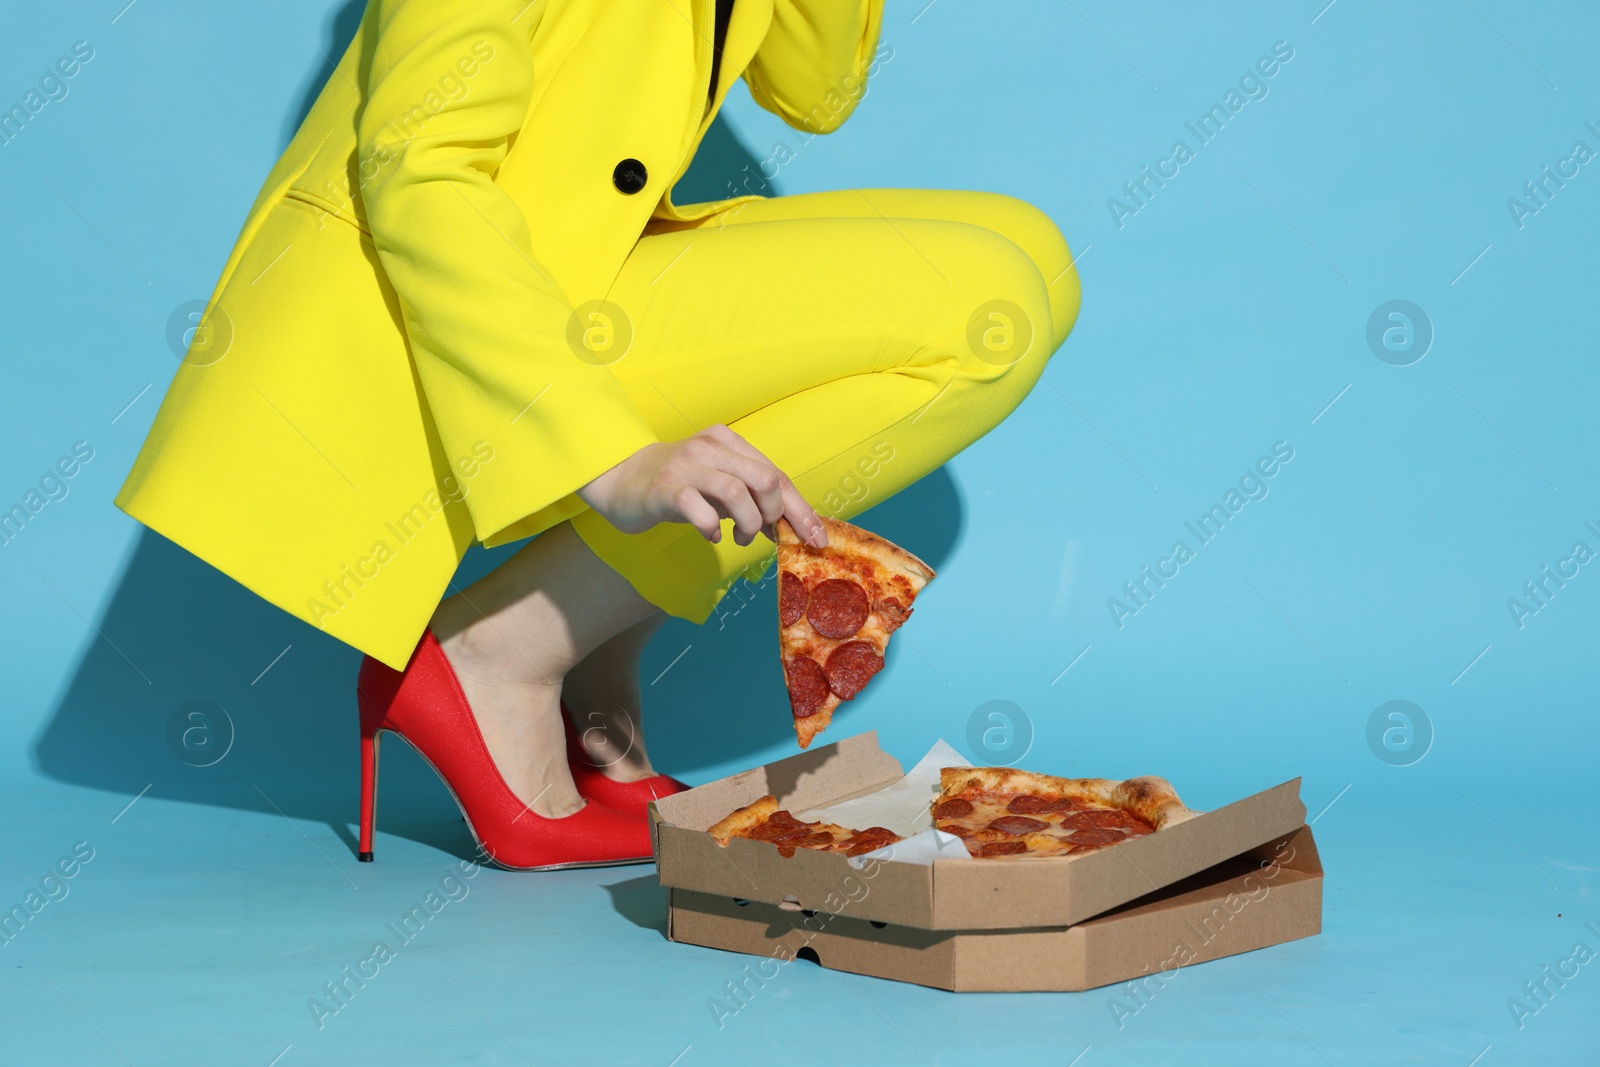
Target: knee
[1038,235]
[1009,316]
[1061,281]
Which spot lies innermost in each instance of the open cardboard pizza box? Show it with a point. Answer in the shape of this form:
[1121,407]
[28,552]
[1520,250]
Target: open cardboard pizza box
[1236,878]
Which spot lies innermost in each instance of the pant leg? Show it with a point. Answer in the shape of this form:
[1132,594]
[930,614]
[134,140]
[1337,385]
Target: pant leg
[1025,225]
[859,353]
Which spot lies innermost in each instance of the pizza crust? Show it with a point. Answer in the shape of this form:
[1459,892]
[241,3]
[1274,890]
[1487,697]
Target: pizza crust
[843,536]
[751,815]
[1150,798]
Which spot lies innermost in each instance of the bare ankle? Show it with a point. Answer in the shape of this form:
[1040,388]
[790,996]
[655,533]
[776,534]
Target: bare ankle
[604,708]
[488,652]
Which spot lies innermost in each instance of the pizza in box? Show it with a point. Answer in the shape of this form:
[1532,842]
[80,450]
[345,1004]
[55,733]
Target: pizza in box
[997,812]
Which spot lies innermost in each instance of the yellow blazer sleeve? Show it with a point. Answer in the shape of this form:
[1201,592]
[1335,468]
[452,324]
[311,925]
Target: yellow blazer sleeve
[487,324]
[811,68]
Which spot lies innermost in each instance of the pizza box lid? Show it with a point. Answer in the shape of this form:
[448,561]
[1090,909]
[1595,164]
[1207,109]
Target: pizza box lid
[950,894]
[1266,896]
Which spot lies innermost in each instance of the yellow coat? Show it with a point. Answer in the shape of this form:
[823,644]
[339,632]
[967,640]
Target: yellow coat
[384,371]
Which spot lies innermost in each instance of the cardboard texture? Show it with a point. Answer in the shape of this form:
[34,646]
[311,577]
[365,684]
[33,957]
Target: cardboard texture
[1270,894]
[956,894]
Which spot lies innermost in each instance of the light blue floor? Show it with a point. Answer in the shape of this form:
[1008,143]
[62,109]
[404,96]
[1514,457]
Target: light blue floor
[1227,316]
[200,935]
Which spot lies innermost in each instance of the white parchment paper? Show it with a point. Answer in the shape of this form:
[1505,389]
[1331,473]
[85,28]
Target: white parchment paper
[903,807]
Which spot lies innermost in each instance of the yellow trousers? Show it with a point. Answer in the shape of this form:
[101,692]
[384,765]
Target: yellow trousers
[859,339]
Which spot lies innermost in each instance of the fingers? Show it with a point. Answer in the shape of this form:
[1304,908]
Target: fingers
[805,521]
[774,493]
[732,498]
[701,480]
[742,460]
[693,509]
[719,496]
[742,481]
[763,481]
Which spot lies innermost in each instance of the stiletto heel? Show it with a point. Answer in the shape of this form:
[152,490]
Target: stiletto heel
[369,783]
[630,798]
[424,704]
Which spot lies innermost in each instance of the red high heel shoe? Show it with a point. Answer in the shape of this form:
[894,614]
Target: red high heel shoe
[426,707]
[630,798]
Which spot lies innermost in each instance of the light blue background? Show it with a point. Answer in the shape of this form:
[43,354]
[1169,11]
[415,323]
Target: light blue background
[1223,317]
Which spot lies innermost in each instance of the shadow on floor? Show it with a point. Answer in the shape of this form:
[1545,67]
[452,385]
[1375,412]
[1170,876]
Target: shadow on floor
[642,901]
[198,690]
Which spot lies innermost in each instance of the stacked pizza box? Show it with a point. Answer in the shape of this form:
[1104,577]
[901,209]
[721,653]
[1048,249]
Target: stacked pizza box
[1224,881]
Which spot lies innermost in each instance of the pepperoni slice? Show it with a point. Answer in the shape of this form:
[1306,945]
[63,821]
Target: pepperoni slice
[869,840]
[783,819]
[1017,825]
[1000,848]
[779,824]
[957,829]
[808,686]
[1113,819]
[838,608]
[851,666]
[818,840]
[791,598]
[953,808]
[1027,804]
[875,831]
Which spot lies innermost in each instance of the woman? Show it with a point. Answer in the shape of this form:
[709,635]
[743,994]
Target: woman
[464,307]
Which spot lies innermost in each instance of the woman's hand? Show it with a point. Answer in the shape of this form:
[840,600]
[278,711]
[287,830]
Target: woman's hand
[701,480]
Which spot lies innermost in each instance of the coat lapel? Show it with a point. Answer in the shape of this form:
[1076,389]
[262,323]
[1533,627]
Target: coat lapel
[746,29]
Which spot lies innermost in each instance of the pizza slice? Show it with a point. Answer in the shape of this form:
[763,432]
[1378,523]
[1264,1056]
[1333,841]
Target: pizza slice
[765,821]
[837,607]
[1002,811]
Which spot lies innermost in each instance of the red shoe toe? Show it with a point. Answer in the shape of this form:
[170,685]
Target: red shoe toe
[629,798]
